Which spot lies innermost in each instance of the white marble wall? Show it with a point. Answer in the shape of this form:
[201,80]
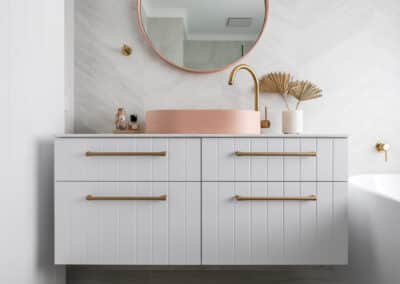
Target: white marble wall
[69,54]
[351,49]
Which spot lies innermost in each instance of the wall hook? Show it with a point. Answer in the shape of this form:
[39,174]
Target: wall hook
[126,50]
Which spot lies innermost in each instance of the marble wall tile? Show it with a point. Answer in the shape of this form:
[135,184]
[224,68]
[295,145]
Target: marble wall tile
[349,48]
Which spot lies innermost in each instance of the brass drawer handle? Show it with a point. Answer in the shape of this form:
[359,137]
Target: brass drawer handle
[125,154]
[276,154]
[273,198]
[126,198]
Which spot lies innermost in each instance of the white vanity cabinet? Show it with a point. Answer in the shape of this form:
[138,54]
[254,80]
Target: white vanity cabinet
[295,200]
[127,200]
[200,200]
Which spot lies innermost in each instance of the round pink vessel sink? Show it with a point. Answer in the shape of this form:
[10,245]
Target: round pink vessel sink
[203,121]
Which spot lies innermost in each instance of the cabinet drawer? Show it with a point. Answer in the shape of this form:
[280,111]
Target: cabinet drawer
[291,228]
[154,223]
[124,159]
[274,159]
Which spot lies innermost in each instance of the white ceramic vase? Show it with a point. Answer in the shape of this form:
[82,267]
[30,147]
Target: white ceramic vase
[292,121]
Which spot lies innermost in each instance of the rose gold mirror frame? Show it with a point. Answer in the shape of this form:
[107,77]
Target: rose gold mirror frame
[150,44]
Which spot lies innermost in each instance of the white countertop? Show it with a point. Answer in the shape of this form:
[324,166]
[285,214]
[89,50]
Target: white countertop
[148,135]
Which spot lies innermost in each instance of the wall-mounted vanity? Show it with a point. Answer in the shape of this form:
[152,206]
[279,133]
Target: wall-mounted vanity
[200,200]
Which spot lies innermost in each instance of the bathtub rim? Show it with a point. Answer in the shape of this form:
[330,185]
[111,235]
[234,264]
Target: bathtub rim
[370,183]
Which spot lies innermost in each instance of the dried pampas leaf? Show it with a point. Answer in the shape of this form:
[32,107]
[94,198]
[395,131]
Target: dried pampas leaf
[278,82]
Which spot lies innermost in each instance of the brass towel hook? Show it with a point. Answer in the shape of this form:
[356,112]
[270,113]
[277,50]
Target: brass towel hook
[126,50]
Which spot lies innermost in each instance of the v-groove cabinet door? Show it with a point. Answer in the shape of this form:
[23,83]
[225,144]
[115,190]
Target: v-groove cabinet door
[161,227]
[303,223]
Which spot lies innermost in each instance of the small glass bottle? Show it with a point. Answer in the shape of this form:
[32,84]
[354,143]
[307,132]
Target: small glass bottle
[120,119]
[133,124]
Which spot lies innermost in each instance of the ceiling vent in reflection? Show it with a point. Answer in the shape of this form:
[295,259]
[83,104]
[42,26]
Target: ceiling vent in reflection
[239,22]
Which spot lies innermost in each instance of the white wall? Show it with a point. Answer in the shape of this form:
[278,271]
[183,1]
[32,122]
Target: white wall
[31,112]
[69,64]
[351,49]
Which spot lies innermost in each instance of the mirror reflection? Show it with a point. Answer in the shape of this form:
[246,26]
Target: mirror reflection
[202,35]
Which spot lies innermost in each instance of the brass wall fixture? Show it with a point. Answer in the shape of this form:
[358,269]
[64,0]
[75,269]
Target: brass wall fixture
[382,147]
[126,50]
[276,198]
[126,198]
[125,154]
[276,154]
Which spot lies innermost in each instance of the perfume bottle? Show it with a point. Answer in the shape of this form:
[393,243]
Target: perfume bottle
[133,124]
[120,119]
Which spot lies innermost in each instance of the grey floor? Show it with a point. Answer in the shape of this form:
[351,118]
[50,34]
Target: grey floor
[270,275]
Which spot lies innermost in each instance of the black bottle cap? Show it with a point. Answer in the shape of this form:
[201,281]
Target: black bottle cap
[133,118]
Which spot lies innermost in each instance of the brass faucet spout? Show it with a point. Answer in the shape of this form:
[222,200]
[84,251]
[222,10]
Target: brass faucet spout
[256,84]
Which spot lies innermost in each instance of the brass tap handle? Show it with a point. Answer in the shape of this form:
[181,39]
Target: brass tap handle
[265,123]
[382,147]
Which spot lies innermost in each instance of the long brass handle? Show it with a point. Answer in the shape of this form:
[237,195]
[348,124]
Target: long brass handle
[277,198]
[276,154]
[125,154]
[126,198]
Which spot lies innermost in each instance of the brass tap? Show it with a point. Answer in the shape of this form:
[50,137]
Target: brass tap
[264,123]
[256,84]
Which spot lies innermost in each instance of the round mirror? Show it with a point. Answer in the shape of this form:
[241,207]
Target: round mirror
[202,35]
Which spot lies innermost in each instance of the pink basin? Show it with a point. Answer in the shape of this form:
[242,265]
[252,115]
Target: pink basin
[203,121]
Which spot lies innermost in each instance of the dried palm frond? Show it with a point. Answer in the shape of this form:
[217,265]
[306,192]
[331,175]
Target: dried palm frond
[303,91]
[277,82]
